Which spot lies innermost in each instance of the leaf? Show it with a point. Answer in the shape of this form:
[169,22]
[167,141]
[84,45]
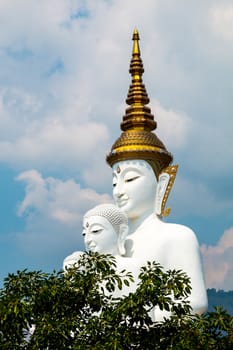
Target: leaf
[126,282]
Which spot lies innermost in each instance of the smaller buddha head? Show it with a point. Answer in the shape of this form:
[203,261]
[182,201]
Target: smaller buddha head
[105,228]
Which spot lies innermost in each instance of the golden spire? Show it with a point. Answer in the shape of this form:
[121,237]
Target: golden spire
[137,115]
[137,141]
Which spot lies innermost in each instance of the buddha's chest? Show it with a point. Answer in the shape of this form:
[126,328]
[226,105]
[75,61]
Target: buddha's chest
[150,245]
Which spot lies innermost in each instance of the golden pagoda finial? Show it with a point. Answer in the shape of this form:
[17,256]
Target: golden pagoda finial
[136,49]
[138,115]
[137,141]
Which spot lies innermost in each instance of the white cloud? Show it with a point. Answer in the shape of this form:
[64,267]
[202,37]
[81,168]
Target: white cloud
[53,210]
[65,201]
[63,143]
[221,19]
[174,127]
[22,24]
[218,262]
[42,112]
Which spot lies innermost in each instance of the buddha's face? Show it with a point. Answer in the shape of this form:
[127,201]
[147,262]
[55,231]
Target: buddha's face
[134,187]
[99,235]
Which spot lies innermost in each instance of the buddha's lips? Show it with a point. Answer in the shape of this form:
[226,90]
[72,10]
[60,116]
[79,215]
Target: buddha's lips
[91,246]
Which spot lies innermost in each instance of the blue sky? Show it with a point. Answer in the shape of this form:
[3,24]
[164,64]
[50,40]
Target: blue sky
[63,82]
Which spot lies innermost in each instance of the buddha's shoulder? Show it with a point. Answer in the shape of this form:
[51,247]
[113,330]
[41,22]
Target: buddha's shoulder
[173,231]
[74,255]
[177,232]
[72,259]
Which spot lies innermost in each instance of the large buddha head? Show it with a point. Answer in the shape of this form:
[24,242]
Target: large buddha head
[134,187]
[139,159]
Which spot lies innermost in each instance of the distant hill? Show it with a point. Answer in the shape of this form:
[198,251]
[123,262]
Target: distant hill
[220,298]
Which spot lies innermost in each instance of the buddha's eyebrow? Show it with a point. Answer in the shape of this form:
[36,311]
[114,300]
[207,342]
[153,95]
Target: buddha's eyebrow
[136,170]
[125,171]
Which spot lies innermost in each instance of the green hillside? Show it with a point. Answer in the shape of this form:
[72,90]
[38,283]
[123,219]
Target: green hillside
[220,298]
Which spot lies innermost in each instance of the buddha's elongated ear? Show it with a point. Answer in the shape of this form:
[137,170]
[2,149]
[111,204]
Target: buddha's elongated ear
[165,183]
[123,231]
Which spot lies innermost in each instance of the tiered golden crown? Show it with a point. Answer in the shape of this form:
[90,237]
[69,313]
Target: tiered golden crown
[137,141]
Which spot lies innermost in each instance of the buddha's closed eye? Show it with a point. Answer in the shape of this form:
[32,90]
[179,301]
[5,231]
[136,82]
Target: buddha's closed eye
[132,178]
[96,231]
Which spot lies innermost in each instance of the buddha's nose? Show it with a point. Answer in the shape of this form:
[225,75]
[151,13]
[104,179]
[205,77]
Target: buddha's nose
[119,190]
[87,239]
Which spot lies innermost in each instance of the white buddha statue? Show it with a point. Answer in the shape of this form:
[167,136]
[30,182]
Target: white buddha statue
[142,180]
[150,239]
[105,228]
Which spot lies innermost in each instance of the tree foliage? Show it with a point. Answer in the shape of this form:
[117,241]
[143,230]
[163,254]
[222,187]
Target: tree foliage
[78,310]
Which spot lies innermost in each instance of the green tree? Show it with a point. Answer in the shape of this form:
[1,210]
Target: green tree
[78,310]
